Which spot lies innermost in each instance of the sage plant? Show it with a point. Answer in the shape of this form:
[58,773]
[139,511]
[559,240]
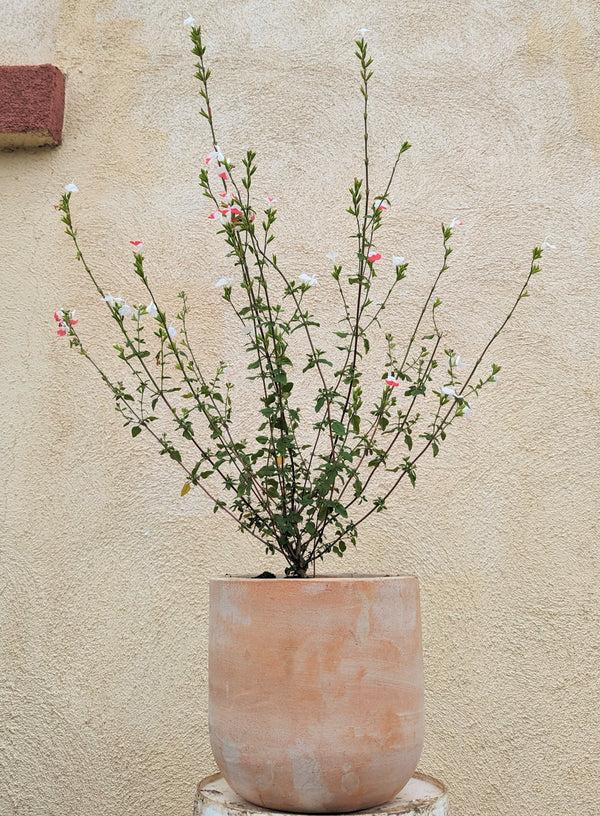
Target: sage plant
[302,482]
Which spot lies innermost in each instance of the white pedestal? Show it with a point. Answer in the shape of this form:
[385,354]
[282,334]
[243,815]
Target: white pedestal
[422,796]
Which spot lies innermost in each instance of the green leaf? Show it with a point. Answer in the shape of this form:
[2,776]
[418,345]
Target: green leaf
[136,430]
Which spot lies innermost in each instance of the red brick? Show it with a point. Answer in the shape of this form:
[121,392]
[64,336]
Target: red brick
[32,103]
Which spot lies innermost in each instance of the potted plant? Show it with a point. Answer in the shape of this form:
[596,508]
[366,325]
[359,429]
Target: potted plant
[316,693]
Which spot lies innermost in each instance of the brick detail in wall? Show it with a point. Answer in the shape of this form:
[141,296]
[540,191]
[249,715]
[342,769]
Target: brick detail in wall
[32,103]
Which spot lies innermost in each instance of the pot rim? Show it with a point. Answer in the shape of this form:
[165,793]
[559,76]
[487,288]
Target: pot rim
[344,577]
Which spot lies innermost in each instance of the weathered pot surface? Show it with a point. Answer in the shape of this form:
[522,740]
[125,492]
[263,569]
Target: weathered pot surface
[316,689]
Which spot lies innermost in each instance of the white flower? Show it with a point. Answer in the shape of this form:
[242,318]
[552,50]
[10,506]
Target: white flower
[151,309]
[457,361]
[71,187]
[172,331]
[333,256]
[363,31]
[467,411]
[308,280]
[398,260]
[547,245]
[189,22]
[126,310]
[449,391]
[112,300]
[456,222]
[223,281]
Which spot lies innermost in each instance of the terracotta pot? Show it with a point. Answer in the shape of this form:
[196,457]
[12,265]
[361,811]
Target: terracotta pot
[316,689]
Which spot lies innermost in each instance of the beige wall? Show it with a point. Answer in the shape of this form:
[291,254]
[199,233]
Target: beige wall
[104,567]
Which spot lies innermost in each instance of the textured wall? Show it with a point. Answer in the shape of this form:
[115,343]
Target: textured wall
[104,567]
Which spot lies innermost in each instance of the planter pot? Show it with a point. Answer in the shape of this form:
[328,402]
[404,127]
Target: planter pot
[316,689]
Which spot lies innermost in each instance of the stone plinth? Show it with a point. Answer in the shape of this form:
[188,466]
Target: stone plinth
[422,796]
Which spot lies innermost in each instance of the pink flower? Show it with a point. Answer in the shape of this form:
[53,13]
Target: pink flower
[381,205]
[217,215]
[226,196]
[270,200]
[223,174]
[456,222]
[62,330]
[373,256]
[138,247]
[392,381]
[57,316]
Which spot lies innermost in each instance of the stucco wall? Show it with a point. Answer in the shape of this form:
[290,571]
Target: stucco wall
[103,589]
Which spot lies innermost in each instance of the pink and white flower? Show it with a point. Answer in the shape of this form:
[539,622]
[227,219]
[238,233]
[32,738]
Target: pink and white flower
[215,155]
[270,199]
[71,187]
[226,196]
[373,256]
[307,280]
[392,381]
[398,260]
[223,174]
[456,222]
[381,205]
[223,281]
[218,215]
[138,247]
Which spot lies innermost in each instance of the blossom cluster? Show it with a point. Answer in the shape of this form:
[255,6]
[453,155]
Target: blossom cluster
[64,318]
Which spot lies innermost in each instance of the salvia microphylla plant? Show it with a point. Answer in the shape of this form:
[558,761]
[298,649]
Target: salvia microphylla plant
[302,485]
